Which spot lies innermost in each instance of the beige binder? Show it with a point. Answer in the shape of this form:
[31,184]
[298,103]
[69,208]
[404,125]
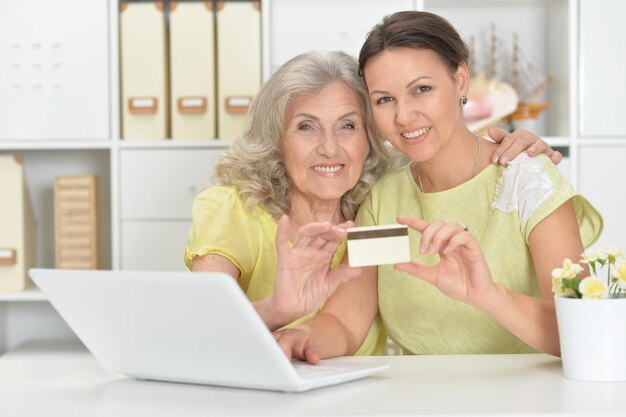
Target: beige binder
[238,63]
[143,61]
[17,226]
[76,222]
[192,69]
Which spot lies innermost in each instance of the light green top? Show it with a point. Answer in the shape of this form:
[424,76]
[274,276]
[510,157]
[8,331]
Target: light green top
[220,225]
[500,206]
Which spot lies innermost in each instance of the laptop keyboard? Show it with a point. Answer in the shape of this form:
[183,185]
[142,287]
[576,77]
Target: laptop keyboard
[308,371]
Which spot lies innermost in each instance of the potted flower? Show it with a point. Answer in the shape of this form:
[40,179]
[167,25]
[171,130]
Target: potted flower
[591,312]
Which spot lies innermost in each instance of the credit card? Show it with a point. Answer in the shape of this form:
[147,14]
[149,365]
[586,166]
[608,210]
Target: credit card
[378,245]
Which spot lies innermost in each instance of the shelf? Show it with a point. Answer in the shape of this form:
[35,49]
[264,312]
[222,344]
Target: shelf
[174,143]
[28,145]
[28,295]
[48,349]
[602,142]
[558,141]
[54,144]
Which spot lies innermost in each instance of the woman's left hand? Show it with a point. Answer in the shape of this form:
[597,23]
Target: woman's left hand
[462,272]
[514,143]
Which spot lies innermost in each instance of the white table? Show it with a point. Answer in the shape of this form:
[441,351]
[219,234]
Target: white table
[493,385]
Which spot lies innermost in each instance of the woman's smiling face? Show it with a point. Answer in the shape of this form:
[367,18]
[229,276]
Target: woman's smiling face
[415,99]
[325,142]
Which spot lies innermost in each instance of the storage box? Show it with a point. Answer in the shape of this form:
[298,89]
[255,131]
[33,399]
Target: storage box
[17,226]
[238,63]
[143,61]
[192,70]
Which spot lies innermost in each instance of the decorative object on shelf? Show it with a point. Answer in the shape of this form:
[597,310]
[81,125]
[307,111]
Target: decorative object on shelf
[490,101]
[17,226]
[76,222]
[530,82]
[591,313]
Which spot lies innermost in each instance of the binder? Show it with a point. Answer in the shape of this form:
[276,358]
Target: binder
[17,226]
[76,222]
[238,63]
[192,70]
[143,61]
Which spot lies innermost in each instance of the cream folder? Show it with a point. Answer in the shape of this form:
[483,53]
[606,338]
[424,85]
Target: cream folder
[192,69]
[143,60]
[238,63]
[17,226]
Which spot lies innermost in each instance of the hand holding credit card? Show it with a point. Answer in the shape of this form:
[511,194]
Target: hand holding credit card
[378,245]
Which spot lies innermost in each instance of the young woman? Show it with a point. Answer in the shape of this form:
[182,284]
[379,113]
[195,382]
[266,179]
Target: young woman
[487,236]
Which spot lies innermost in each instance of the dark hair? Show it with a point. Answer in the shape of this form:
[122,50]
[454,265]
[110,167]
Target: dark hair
[419,30]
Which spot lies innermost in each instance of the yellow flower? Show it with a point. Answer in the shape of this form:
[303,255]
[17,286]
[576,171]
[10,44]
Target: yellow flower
[592,288]
[619,273]
[588,257]
[612,252]
[569,270]
[557,287]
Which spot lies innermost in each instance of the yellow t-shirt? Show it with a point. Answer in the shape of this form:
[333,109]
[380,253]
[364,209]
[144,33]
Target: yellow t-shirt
[221,225]
[500,206]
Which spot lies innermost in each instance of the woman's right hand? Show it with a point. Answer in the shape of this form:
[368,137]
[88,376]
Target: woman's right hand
[298,344]
[304,278]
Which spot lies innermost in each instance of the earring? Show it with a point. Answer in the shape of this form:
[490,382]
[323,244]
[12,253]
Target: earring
[463,100]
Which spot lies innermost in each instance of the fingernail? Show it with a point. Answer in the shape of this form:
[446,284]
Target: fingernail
[341,229]
[494,159]
[531,151]
[432,249]
[422,250]
[504,160]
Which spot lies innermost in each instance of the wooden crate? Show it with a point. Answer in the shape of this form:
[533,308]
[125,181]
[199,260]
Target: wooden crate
[76,222]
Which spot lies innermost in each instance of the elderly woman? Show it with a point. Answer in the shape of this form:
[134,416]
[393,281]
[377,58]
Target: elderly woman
[289,189]
[291,186]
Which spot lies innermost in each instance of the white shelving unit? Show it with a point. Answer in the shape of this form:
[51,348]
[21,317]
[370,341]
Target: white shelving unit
[563,34]
[29,294]
[27,316]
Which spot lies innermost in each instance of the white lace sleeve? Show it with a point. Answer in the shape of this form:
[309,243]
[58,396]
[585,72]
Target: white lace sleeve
[523,186]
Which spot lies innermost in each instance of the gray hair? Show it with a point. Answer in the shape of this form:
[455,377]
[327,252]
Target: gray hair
[254,166]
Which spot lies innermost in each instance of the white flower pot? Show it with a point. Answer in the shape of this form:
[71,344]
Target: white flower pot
[593,338]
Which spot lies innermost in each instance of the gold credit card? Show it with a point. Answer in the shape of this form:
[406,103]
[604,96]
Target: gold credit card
[378,245]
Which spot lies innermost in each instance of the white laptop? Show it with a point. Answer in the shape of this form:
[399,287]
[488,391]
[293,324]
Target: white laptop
[183,327]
